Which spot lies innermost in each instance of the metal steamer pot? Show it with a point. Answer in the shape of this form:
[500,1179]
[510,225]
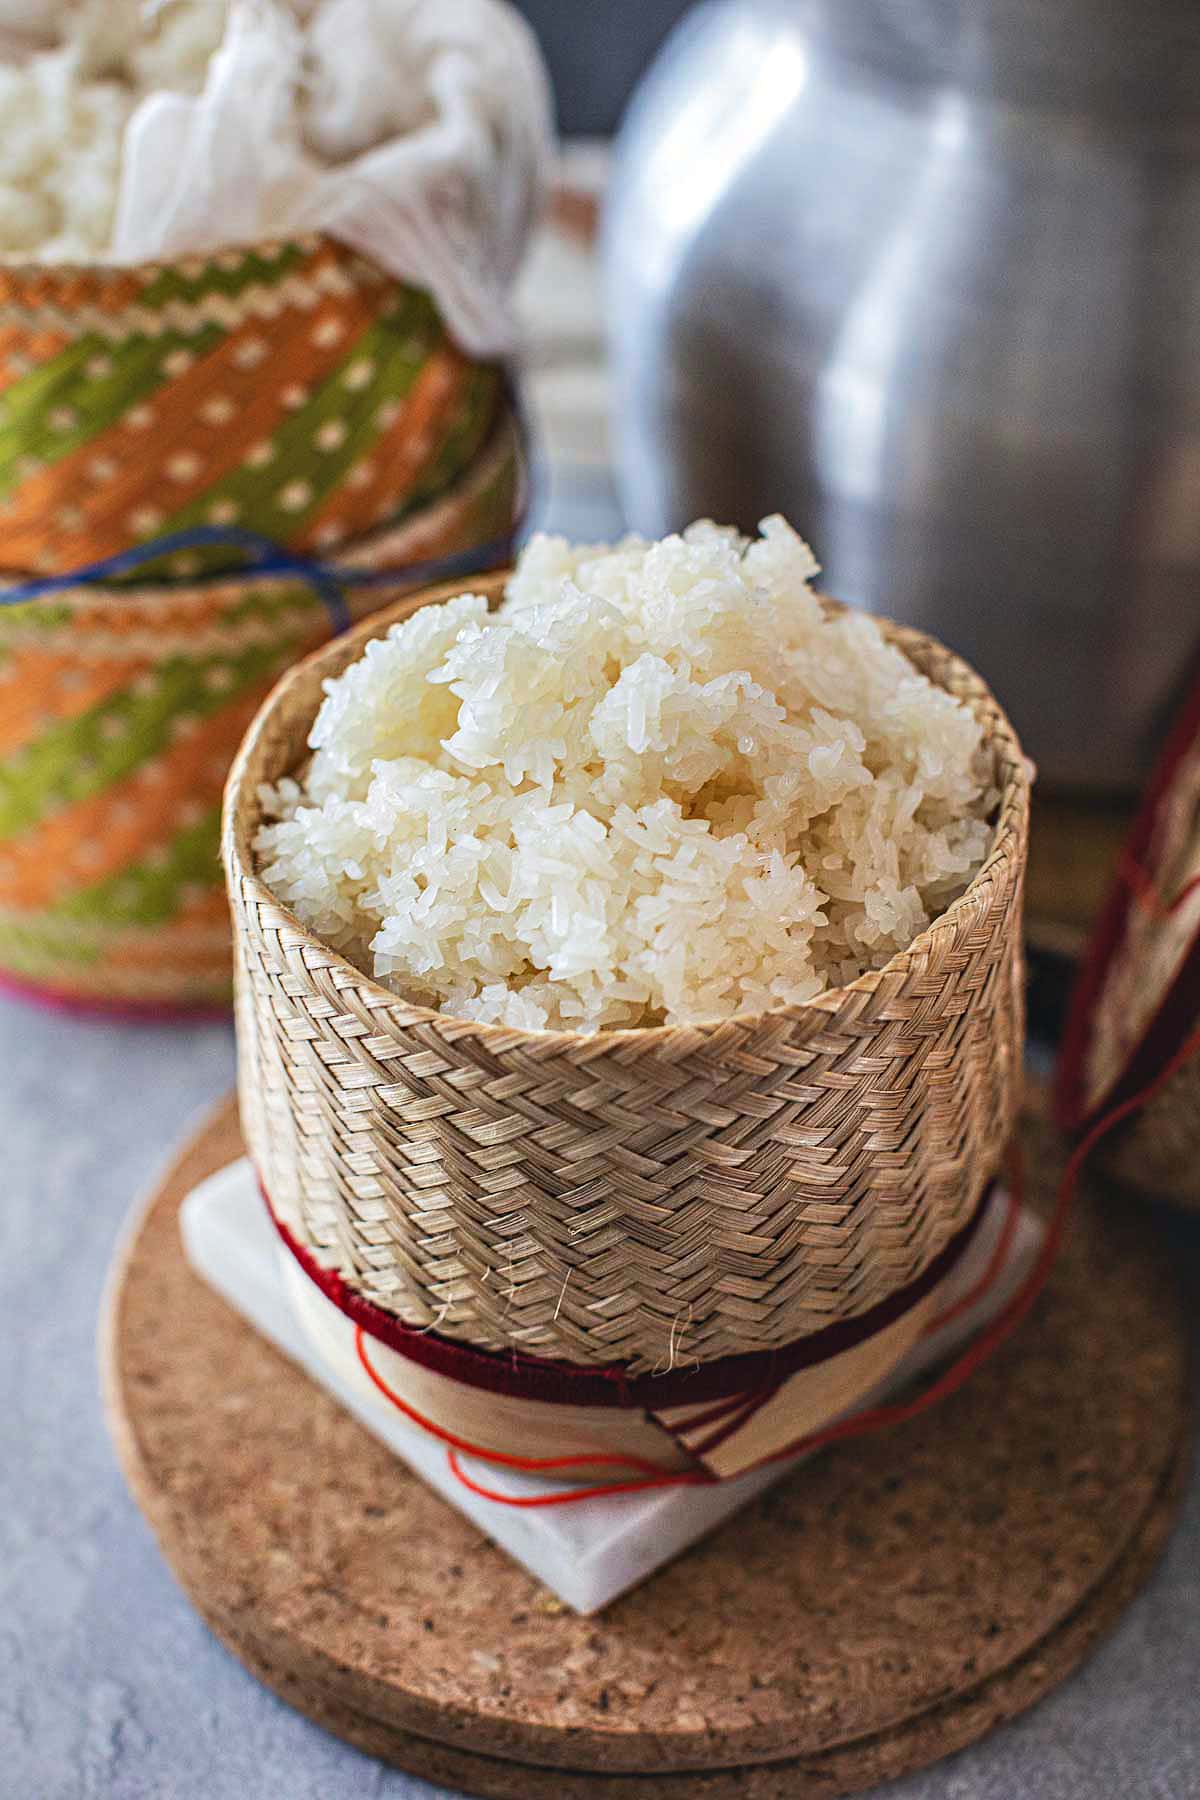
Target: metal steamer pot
[925,275]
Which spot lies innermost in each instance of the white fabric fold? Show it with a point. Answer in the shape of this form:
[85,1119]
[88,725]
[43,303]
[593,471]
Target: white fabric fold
[417,132]
[421,138]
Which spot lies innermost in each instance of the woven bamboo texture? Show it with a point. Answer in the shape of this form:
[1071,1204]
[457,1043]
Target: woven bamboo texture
[646,1197]
[120,711]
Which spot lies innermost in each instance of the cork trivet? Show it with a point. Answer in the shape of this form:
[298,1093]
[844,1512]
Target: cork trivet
[886,1604]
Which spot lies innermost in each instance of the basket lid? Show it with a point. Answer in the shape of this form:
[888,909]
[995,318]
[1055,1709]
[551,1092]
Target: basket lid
[1137,997]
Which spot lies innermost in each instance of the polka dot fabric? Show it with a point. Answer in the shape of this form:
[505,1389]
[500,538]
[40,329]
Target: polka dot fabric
[292,391]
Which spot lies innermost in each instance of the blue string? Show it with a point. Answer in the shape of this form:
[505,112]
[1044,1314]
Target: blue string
[327,580]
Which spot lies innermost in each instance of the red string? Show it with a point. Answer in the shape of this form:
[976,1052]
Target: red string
[875,1418]
[1006,1321]
[744,1411]
[652,1476]
[527,1464]
[569,1496]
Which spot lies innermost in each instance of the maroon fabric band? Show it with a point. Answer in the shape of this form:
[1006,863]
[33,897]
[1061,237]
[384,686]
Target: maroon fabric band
[1177,1012]
[100,1006]
[525,1377]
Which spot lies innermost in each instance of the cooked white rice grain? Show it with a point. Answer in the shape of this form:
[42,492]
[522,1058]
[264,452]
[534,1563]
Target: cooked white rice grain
[658,785]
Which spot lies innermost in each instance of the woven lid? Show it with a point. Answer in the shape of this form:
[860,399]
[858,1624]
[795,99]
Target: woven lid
[1138,995]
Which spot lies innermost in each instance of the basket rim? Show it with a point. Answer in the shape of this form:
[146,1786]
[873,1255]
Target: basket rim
[1009,840]
[27,268]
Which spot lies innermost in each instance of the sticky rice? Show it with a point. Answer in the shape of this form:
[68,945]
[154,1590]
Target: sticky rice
[64,110]
[661,784]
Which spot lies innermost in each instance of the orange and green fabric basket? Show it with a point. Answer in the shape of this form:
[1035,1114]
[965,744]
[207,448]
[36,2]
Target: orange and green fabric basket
[289,393]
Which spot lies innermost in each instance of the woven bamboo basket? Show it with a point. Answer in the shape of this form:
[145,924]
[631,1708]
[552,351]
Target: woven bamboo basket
[638,1197]
[292,390]
[1137,1000]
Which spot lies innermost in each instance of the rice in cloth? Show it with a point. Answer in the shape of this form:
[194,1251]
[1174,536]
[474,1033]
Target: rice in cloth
[64,110]
[661,784]
[141,131]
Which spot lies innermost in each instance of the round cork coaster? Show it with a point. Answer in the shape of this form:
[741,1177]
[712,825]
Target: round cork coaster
[887,1603]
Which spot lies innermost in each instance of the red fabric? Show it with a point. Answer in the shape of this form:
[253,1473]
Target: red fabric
[857,1424]
[528,1377]
[530,1465]
[1169,1026]
[952,1378]
[97,1006]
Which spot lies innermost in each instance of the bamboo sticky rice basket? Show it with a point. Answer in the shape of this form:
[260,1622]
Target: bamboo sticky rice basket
[636,1197]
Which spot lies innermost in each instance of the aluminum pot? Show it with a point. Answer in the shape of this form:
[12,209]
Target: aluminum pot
[926,277]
